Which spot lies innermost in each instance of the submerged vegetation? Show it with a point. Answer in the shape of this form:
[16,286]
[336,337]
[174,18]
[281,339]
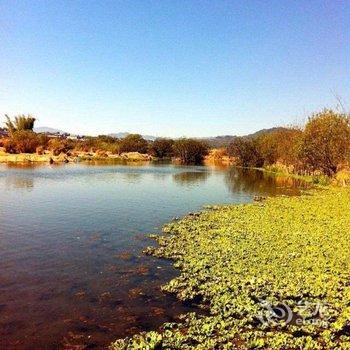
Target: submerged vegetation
[273,274]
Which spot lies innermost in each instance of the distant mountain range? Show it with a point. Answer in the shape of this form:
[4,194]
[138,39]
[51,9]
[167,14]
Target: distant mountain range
[45,129]
[266,131]
[216,141]
[223,141]
[119,135]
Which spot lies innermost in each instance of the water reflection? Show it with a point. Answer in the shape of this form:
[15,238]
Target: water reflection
[132,177]
[260,182]
[237,180]
[25,183]
[190,177]
[72,270]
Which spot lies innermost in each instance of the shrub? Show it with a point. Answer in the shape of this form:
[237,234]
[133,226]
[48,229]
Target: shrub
[190,151]
[43,140]
[40,150]
[101,153]
[8,146]
[22,141]
[162,148]
[58,146]
[81,146]
[108,144]
[114,148]
[343,177]
[280,146]
[106,139]
[87,144]
[326,141]
[246,152]
[217,154]
[100,143]
[133,143]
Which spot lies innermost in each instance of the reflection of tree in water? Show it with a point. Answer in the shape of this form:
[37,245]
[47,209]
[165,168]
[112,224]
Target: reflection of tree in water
[21,165]
[20,182]
[261,183]
[190,177]
[160,176]
[132,177]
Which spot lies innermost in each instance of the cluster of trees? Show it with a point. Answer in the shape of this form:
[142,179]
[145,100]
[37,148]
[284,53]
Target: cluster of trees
[322,145]
[22,139]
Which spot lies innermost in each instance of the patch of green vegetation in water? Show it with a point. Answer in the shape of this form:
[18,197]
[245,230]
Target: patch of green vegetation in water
[291,251]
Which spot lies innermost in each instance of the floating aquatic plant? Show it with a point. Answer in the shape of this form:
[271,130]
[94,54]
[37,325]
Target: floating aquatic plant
[274,274]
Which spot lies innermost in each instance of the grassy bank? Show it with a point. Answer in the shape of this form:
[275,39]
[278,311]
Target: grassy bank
[317,179]
[287,253]
[341,178]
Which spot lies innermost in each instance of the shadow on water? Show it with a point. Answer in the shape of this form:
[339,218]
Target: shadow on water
[20,182]
[72,272]
[190,177]
[257,182]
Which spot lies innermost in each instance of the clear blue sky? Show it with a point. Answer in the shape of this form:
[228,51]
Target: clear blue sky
[172,68]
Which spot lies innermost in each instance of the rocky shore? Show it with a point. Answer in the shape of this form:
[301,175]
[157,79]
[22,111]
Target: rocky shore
[49,157]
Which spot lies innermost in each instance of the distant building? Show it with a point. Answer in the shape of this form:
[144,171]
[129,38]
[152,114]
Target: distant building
[54,135]
[3,132]
[58,135]
[76,137]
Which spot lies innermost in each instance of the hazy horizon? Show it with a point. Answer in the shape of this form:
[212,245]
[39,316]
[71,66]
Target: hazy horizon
[194,68]
[136,132]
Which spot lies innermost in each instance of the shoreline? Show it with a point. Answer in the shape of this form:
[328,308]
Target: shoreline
[73,158]
[285,250]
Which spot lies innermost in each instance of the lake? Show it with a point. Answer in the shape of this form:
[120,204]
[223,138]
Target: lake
[72,272]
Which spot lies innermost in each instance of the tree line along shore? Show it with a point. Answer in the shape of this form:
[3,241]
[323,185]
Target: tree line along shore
[319,149]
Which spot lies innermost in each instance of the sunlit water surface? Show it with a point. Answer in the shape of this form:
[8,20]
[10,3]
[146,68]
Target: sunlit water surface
[72,272]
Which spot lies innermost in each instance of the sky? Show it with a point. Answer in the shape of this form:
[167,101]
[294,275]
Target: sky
[173,67]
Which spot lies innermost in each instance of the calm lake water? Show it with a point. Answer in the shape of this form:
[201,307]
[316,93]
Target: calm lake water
[72,271]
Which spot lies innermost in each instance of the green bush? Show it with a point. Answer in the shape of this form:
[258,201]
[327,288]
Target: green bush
[43,140]
[162,148]
[58,146]
[190,151]
[246,152]
[281,146]
[100,143]
[134,143]
[326,142]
